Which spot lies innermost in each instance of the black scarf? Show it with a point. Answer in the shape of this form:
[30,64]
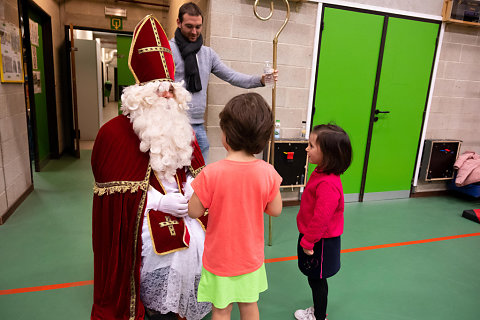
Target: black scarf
[189,50]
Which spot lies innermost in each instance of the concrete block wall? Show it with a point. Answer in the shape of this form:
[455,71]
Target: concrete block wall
[244,43]
[15,174]
[15,177]
[455,109]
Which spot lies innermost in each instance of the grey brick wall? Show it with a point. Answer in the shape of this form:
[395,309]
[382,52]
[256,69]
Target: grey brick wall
[455,109]
[245,43]
[14,158]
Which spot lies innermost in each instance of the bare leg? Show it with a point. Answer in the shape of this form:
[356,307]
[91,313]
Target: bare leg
[221,314]
[248,311]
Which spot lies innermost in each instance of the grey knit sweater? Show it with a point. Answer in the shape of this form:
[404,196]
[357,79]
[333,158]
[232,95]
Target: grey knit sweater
[209,62]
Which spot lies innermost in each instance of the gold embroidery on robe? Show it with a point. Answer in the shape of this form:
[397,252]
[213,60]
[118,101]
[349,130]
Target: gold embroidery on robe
[119,186]
[133,292]
[195,172]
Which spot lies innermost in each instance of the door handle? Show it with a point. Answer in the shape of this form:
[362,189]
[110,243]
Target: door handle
[375,119]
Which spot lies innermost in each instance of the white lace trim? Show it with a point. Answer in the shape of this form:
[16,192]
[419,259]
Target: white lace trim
[169,283]
[163,291]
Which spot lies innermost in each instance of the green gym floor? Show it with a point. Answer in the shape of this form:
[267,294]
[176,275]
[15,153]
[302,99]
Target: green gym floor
[402,259]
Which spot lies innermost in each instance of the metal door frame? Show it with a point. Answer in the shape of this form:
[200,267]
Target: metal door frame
[72,133]
[50,93]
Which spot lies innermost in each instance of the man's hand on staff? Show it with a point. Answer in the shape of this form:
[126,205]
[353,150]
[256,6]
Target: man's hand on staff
[275,76]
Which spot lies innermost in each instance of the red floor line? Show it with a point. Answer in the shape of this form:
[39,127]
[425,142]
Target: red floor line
[49,287]
[390,245]
[407,243]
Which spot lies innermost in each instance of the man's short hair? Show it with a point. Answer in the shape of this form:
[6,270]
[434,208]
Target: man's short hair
[189,8]
[247,122]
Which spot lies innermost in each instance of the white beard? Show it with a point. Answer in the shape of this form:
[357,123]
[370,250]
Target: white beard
[162,126]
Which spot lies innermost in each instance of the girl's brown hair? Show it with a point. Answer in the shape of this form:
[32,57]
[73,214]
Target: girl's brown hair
[247,122]
[335,146]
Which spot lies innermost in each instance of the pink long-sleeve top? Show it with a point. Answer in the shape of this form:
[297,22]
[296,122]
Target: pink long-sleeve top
[321,209]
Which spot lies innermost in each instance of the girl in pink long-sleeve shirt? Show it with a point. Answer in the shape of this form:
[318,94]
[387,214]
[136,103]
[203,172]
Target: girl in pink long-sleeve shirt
[320,218]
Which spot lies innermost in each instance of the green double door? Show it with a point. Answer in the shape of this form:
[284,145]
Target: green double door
[369,64]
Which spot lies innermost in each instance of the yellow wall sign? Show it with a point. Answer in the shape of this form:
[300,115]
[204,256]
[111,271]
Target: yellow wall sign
[116,23]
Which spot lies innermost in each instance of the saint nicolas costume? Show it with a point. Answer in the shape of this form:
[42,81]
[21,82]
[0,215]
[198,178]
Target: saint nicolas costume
[123,176]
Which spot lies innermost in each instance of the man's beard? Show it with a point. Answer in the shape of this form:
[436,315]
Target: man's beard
[163,128]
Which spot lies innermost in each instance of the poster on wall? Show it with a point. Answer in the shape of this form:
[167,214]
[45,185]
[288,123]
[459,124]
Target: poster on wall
[33,32]
[34,58]
[2,9]
[11,63]
[37,82]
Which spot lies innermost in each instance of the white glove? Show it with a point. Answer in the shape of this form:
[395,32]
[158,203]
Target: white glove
[187,188]
[175,204]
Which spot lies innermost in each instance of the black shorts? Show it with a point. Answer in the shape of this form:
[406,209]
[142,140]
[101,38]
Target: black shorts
[325,261]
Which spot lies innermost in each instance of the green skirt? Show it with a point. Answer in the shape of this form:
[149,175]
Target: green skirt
[221,291]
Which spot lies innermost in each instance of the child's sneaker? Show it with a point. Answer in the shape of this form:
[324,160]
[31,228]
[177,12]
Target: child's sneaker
[306,314]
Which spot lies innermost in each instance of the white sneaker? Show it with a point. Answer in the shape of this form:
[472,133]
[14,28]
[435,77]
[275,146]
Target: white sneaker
[306,314]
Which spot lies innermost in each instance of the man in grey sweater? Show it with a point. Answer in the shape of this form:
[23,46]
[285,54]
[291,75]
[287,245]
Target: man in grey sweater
[194,62]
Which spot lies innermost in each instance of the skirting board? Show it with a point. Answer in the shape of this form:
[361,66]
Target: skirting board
[11,210]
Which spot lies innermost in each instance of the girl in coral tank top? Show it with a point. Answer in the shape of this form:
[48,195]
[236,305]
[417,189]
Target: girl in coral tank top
[237,191]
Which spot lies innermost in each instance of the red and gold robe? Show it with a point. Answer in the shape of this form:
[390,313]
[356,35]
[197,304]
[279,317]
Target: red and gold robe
[122,176]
